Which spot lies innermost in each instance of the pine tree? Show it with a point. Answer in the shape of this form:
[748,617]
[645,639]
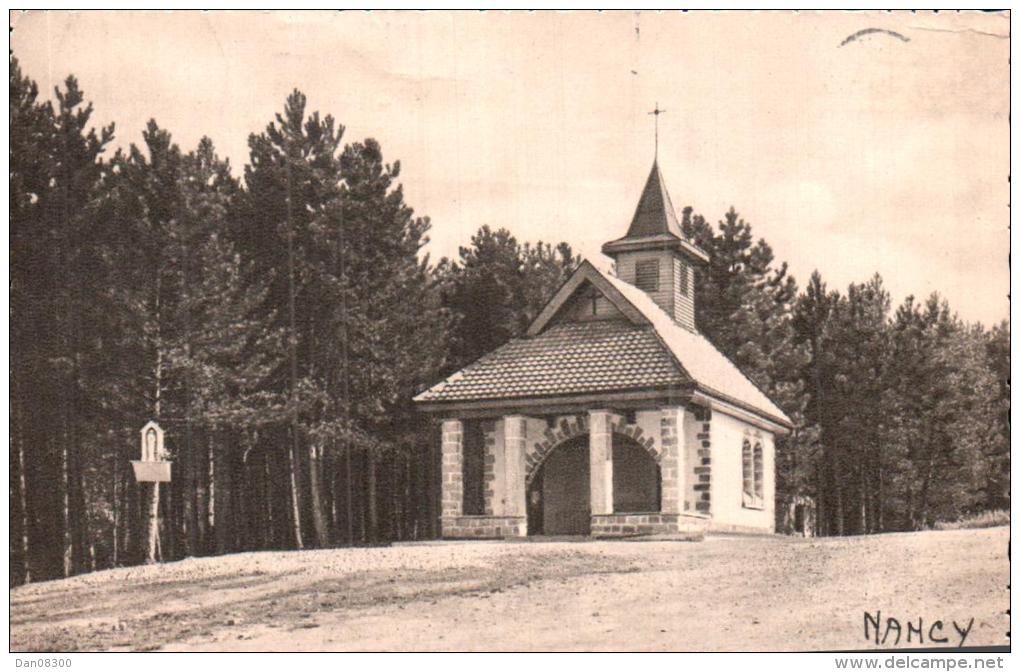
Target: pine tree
[997,481]
[394,326]
[294,173]
[55,170]
[496,288]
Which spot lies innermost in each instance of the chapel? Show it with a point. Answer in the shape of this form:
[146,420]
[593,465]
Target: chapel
[612,415]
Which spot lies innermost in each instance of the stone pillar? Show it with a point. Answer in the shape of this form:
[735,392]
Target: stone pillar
[453,474]
[515,430]
[600,449]
[672,460]
[495,470]
[703,472]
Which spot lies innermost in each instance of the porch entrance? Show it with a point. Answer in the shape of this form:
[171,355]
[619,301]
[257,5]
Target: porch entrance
[559,496]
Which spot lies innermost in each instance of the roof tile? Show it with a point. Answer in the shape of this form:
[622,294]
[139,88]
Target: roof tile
[569,358]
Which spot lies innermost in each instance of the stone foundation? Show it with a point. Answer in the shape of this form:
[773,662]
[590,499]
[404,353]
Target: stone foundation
[627,524]
[484,527]
[729,528]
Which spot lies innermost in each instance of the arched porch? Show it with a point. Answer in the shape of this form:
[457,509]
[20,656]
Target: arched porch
[559,492]
[602,472]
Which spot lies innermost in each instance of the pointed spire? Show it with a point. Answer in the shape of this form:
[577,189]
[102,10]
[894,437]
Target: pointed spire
[655,225]
[655,214]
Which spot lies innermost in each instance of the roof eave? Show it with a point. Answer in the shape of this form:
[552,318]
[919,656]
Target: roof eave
[546,404]
[744,411]
[656,242]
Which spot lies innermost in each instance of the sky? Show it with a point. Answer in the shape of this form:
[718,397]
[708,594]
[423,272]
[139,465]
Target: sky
[887,152]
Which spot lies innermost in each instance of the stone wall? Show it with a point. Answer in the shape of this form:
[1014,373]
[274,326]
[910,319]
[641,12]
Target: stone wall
[490,471]
[703,467]
[634,524]
[452,469]
[670,462]
[484,527]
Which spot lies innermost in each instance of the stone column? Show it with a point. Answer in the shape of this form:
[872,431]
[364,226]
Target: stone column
[515,430]
[453,474]
[600,449]
[495,470]
[672,461]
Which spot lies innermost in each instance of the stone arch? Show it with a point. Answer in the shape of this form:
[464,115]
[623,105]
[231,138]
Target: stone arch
[569,429]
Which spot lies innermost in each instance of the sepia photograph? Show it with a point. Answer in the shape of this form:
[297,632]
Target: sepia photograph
[510,331]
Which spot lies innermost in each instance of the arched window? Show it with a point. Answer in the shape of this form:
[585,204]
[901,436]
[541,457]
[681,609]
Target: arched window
[748,471]
[753,463]
[759,472]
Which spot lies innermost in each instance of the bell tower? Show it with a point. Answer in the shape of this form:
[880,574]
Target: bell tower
[655,257]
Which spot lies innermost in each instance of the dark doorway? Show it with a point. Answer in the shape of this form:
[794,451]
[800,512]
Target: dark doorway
[637,481]
[798,518]
[473,469]
[559,497]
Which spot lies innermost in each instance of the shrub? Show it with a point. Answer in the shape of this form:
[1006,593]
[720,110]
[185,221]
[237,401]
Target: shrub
[983,519]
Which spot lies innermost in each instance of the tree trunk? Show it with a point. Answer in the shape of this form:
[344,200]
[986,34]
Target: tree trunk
[315,482]
[822,503]
[862,496]
[267,503]
[152,522]
[334,491]
[840,512]
[224,486]
[373,512]
[294,501]
[126,522]
[65,497]
[203,497]
[25,571]
[396,495]
[292,341]
[881,499]
[362,471]
[115,502]
[349,492]
[190,492]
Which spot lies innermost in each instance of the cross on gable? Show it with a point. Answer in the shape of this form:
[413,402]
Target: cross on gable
[593,295]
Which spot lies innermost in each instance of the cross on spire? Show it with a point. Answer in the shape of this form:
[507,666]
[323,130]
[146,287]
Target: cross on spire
[656,112]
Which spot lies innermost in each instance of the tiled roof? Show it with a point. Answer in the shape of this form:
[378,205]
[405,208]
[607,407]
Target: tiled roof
[605,356]
[710,369]
[568,358]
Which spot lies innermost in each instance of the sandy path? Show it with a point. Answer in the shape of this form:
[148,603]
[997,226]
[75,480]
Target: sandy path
[723,594]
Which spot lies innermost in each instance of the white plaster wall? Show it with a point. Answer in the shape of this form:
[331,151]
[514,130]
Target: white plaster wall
[535,428]
[728,434]
[650,423]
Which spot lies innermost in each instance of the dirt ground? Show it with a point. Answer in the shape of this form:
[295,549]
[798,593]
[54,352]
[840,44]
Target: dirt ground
[725,593]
